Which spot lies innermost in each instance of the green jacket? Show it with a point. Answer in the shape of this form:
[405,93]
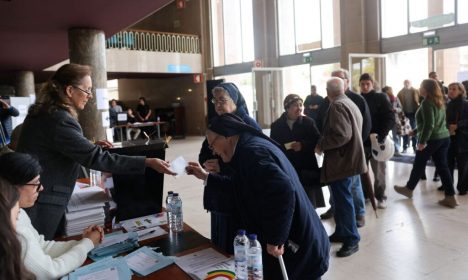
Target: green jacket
[430,122]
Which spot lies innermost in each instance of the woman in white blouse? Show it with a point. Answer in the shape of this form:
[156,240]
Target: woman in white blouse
[45,259]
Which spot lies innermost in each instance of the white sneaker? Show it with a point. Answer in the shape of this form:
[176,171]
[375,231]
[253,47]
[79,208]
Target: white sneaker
[382,204]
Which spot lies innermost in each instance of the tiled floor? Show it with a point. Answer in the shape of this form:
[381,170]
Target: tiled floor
[411,239]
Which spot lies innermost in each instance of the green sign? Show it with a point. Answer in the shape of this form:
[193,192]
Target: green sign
[429,41]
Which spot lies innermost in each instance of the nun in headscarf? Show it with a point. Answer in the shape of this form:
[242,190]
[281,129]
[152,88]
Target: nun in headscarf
[226,99]
[268,199]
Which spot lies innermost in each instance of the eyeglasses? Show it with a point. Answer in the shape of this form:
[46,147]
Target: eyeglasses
[37,185]
[212,143]
[221,101]
[88,92]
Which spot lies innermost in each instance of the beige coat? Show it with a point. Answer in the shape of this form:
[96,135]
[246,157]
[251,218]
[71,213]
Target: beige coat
[401,97]
[341,141]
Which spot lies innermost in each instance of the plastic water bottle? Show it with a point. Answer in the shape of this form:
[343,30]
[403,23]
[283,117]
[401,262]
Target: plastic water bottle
[254,259]
[158,119]
[95,178]
[168,207]
[241,244]
[177,220]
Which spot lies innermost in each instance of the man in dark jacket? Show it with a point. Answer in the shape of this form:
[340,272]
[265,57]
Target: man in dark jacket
[268,199]
[312,103]
[383,120]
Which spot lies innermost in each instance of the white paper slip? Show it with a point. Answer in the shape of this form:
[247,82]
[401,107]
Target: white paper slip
[207,262]
[150,233]
[288,146]
[178,166]
[145,261]
[145,222]
[112,239]
[108,273]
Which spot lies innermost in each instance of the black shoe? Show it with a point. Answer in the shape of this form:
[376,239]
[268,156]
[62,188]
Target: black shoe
[423,177]
[347,250]
[441,189]
[360,221]
[462,192]
[327,215]
[436,179]
[335,238]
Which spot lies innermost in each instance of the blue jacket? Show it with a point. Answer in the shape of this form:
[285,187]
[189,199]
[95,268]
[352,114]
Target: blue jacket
[270,201]
[5,119]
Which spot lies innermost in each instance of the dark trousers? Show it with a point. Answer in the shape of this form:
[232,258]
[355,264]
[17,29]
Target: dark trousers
[438,150]
[406,138]
[462,185]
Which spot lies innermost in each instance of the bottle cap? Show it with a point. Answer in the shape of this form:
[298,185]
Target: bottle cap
[253,236]
[170,192]
[175,194]
[241,232]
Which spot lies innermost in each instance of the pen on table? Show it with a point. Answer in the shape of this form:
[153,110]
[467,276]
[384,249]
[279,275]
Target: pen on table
[147,233]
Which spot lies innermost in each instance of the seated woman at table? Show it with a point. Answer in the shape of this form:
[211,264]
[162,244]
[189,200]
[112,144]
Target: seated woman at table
[45,259]
[10,248]
[131,118]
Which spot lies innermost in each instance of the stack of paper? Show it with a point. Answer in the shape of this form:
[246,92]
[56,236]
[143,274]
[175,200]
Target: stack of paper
[85,208]
[105,269]
[145,261]
[114,244]
[207,264]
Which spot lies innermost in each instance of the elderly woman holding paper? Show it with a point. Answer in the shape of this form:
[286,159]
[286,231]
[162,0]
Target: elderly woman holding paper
[298,135]
[45,259]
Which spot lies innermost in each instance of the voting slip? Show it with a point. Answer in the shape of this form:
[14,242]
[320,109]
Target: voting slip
[207,264]
[106,269]
[145,222]
[178,165]
[114,244]
[145,261]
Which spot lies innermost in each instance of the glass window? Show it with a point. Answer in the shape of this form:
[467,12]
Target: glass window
[407,65]
[451,65]
[296,79]
[247,31]
[217,32]
[233,28]
[320,74]
[307,23]
[431,14]
[331,29]
[287,39]
[462,7]
[394,18]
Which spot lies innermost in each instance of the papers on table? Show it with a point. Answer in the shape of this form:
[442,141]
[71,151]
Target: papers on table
[145,261]
[150,233]
[178,166]
[105,269]
[145,222]
[85,208]
[114,244]
[206,264]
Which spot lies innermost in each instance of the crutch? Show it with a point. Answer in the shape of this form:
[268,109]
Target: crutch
[283,268]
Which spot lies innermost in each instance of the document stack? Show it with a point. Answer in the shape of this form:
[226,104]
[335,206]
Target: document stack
[85,208]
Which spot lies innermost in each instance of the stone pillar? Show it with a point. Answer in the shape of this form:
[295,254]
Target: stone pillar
[87,46]
[24,84]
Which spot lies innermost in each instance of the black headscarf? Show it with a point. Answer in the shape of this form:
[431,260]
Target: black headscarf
[229,125]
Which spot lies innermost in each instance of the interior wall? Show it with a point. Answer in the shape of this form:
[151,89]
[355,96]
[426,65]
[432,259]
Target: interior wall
[163,92]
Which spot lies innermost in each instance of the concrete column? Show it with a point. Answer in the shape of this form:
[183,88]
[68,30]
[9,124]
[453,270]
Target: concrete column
[24,83]
[87,46]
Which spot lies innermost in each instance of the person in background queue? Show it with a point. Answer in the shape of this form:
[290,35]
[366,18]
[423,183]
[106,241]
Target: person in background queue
[51,132]
[268,199]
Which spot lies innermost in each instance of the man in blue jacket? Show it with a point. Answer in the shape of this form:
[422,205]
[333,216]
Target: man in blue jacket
[268,199]
[6,112]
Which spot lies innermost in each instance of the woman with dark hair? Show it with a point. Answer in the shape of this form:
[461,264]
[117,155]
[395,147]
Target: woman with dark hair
[299,135]
[10,248]
[51,132]
[433,140]
[45,259]
[226,99]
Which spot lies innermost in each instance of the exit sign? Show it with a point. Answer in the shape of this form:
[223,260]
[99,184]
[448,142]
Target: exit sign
[429,41]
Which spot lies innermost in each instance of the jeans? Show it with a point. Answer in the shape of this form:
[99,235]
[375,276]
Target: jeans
[406,138]
[344,211]
[358,197]
[438,150]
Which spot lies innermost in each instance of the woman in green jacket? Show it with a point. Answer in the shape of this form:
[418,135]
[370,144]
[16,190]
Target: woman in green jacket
[433,140]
